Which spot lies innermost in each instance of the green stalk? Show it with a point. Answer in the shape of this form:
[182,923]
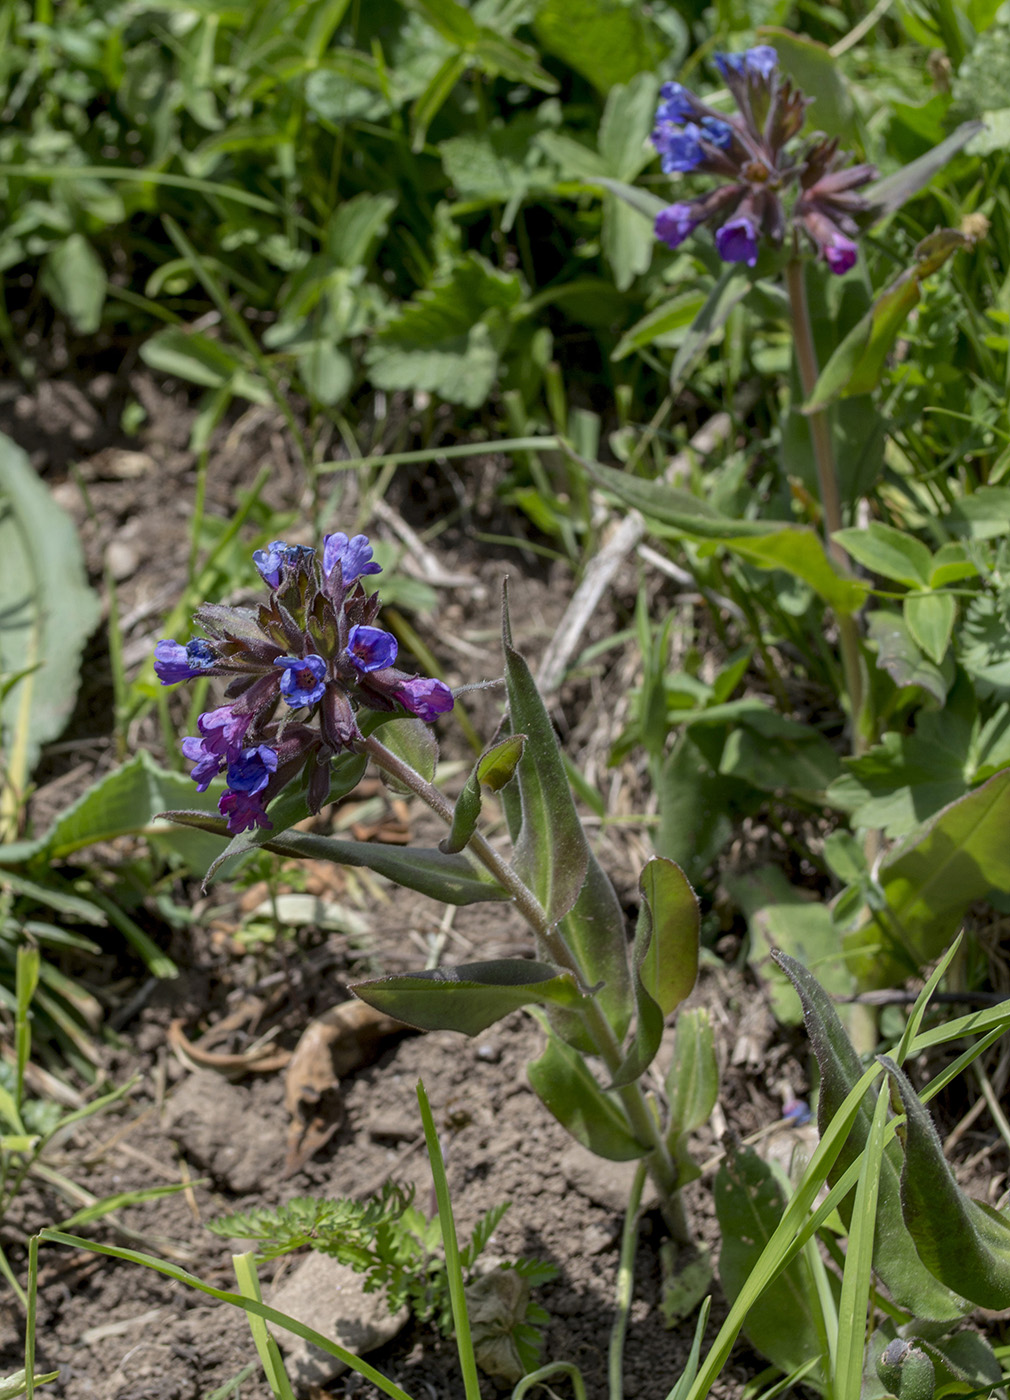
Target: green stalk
[625,1282]
[639,1115]
[860,715]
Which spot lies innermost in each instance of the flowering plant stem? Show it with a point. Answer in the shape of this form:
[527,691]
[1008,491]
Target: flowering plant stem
[641,1119]
[860,716]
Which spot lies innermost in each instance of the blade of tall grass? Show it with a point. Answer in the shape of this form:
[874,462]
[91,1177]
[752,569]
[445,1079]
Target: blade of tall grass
[856,1278]
[267,1349]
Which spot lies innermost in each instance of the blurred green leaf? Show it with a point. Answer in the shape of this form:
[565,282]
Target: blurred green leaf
[797,550]
[74,278]
[47,612]
[814,69]
[930,618]
[692,1085]
[899,654]
[892,553]
[606,41]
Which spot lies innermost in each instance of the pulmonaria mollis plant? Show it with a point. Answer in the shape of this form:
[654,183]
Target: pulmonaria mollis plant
[768,186]
[300,668]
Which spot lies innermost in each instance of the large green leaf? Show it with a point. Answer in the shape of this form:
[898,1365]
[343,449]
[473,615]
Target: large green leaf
[932,879]
[892,553]
[894,1255]
[561,1079]
[74,278]
[814,69]
[797,550]
[665,959]
[471,997]
[692,1086]
[965,1243]
[606,41]
[749,1203]
[47,612]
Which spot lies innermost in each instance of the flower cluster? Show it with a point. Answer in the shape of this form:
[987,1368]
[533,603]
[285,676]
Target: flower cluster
[750,153]
[300,669]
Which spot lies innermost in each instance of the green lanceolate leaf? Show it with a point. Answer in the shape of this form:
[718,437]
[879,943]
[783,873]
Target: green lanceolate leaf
[964,1243]
[552,853]
[471,997]
[889,552]
[930,619]
[672,506]
[595,931]
[495,767]
[749,1203]
[799,551]
[665,958]
[47,612]
[562,1081]
[891,193]
[692,1085]
[910,1283]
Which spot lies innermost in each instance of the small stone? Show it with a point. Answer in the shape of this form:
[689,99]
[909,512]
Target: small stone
[329,1297]
[122,560]
[489,1051]
[393,1127]
[606,1183]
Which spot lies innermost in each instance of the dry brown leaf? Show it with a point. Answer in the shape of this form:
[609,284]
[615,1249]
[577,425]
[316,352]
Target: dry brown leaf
[331,1047]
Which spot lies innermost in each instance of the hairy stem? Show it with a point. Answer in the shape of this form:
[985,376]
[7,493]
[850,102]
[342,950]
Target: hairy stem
[827,482]
[640,1116]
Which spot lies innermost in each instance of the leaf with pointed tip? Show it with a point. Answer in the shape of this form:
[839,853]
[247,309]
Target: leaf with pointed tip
[450,879]
[964,1243]
[910,1283]
[471,997]
[692,1086]
[892,192]
[665,959]
[673,506]
[800,552]
[495,767]
[562,1081]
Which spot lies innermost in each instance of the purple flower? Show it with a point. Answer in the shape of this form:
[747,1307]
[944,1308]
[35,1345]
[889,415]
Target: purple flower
[174,662]
[796,1112]
[244,811]
[737,240]
[760,62]
[354,556]
[840,253]
[207,765]
[304,679]
[371,649]
[251,771]
[271,561]
[223,731]
[425,698]
[676,222]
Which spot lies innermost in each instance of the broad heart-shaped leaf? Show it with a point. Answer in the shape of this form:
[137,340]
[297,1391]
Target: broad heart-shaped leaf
[889,552]
[672,506]
[909,1282]
[665,959]
[47,612]
[891,193]
[899,655]
[495,767]
[800,552]
[965,1243]
[471,997]
[930,881]
[692,1086]
[749,1203]
[552,853]
[930,619]
[447,878]
[561,1079]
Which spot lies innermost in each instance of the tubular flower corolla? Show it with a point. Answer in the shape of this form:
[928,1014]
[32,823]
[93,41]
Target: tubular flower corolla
[751,152]
[311,648]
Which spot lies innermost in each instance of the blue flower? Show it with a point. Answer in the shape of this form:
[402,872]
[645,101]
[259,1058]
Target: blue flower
[174,662]
[304,679]
[796,1113]
[206,764]
[737,241]
[252,770]
[223,730]
[354,556]
[270,561]
[680,151]
[720,133]
[244,811]
[760,62]
[677,104]
[371,649]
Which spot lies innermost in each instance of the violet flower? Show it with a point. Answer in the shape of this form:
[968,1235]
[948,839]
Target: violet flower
[312,647]
[767,187]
